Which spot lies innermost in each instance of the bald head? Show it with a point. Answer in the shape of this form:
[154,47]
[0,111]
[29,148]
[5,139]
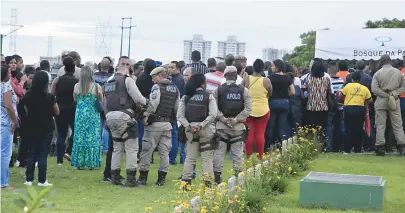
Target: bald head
[188,72]
[104,65]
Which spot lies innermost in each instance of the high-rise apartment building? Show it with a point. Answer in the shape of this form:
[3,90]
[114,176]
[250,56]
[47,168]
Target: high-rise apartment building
[231,46]
[197,43]
[271,54]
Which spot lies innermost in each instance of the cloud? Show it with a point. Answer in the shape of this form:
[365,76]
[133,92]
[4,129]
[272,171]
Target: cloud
[58,29]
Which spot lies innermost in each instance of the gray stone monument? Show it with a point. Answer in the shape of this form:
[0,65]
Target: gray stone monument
[241,179]
[231,185]
[195,204]
[258,171]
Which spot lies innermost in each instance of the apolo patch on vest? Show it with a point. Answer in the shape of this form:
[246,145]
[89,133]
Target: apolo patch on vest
[110,87]
[198,97]
[233,96]
[171,88]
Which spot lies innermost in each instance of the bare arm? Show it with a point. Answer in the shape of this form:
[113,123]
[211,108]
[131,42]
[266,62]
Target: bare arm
[375,88]
[55,109]
[8,103]
[401,89]
[291,90]
[75,92]
[53,87]
[268,86]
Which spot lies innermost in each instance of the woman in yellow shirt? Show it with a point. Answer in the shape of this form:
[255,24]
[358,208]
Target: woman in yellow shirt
[356,96]
[260,89]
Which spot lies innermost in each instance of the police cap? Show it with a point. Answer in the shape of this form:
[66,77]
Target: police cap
[158,70]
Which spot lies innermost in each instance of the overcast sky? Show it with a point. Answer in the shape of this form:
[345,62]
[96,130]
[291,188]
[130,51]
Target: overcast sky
[162,26]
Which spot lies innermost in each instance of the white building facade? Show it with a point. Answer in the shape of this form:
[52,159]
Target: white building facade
[231,46]
[271,54]
[197,43]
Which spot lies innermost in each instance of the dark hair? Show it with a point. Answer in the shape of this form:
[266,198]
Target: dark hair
[38,69]
[343,66]
[182,64]
[258,66]
[279,64]
[16,57]
[288,68]
[211,62]
[177,64]
[360,65]
[4,71]
[317,69]
[69,64]
[137,65]
[267,65]
[249,70]
[196,56]
[44,64]
[75,55]
[229,59]
[239,67]
[149,65]
[29,70]
[195,82]
[40,83]
[356,76]
[8,59]
[126,57]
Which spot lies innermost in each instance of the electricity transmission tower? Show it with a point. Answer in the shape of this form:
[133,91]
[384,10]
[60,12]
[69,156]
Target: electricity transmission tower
[13,33]
[103,37]
[130,32]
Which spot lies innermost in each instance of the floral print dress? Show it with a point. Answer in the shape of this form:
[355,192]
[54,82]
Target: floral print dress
[87,141]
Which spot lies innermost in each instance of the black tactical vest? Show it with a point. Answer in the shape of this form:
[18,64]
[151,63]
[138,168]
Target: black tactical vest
[197,107]
[64,90]
[231,99]
[168,96]
[101,77]
[116,94]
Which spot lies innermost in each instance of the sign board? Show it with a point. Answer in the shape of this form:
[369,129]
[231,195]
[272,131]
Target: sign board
[52,60]
[360,44]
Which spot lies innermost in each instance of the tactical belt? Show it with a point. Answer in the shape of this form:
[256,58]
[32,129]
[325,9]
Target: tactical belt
[128,113]
[207,146]
[131,129]
[232,140]
[157,118]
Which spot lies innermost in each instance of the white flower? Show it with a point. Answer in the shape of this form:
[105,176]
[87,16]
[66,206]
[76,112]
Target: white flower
[25,208]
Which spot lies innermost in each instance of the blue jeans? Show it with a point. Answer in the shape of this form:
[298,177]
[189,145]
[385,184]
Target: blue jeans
[6,152]
[38,150]
[104,136]
[329,131]
[173,151]
[402,102]
[279,109]
[182,153]
[140,136]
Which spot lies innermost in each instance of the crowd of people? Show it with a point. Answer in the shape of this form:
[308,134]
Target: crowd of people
[192,109]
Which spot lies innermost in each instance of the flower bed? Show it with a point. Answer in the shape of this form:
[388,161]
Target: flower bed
[251,190]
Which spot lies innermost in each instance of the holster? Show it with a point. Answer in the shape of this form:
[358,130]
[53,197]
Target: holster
[246,132]
[182,134]
[132,132]
[208,146]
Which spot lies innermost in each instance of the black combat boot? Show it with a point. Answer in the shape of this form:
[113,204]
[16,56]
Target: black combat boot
[115,177]
[401,149]
[161,178]
[131,178]
[143,177]
[218,179]
[188,184]
[380,151]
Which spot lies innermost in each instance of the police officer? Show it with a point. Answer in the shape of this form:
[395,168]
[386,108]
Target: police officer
[197,113]
[121,94]
[164,100]
[234,107]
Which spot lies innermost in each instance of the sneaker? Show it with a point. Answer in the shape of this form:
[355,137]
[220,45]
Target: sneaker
[45,184]
[28,183]
[17,163]
[59,164]
[36,164]
[67,156]
[106,180]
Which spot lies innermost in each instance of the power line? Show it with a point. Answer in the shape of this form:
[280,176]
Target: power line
[13,29]
[103,37]
[122,34]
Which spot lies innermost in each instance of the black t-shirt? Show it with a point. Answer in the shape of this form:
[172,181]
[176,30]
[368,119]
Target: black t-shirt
[39,119]
[144,83]
[280,84]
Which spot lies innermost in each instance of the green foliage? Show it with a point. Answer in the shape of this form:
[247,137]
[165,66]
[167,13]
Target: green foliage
[303,54]
[29,200]
[386,23]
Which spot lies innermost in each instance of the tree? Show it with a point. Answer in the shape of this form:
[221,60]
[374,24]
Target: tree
[386,23]
[303,54]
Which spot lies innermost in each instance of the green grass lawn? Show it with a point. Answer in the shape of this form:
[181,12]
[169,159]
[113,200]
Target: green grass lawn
[83,191]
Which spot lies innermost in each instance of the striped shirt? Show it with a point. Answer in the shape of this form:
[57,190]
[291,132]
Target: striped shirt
[337,84]
[200,67]
[214,80]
